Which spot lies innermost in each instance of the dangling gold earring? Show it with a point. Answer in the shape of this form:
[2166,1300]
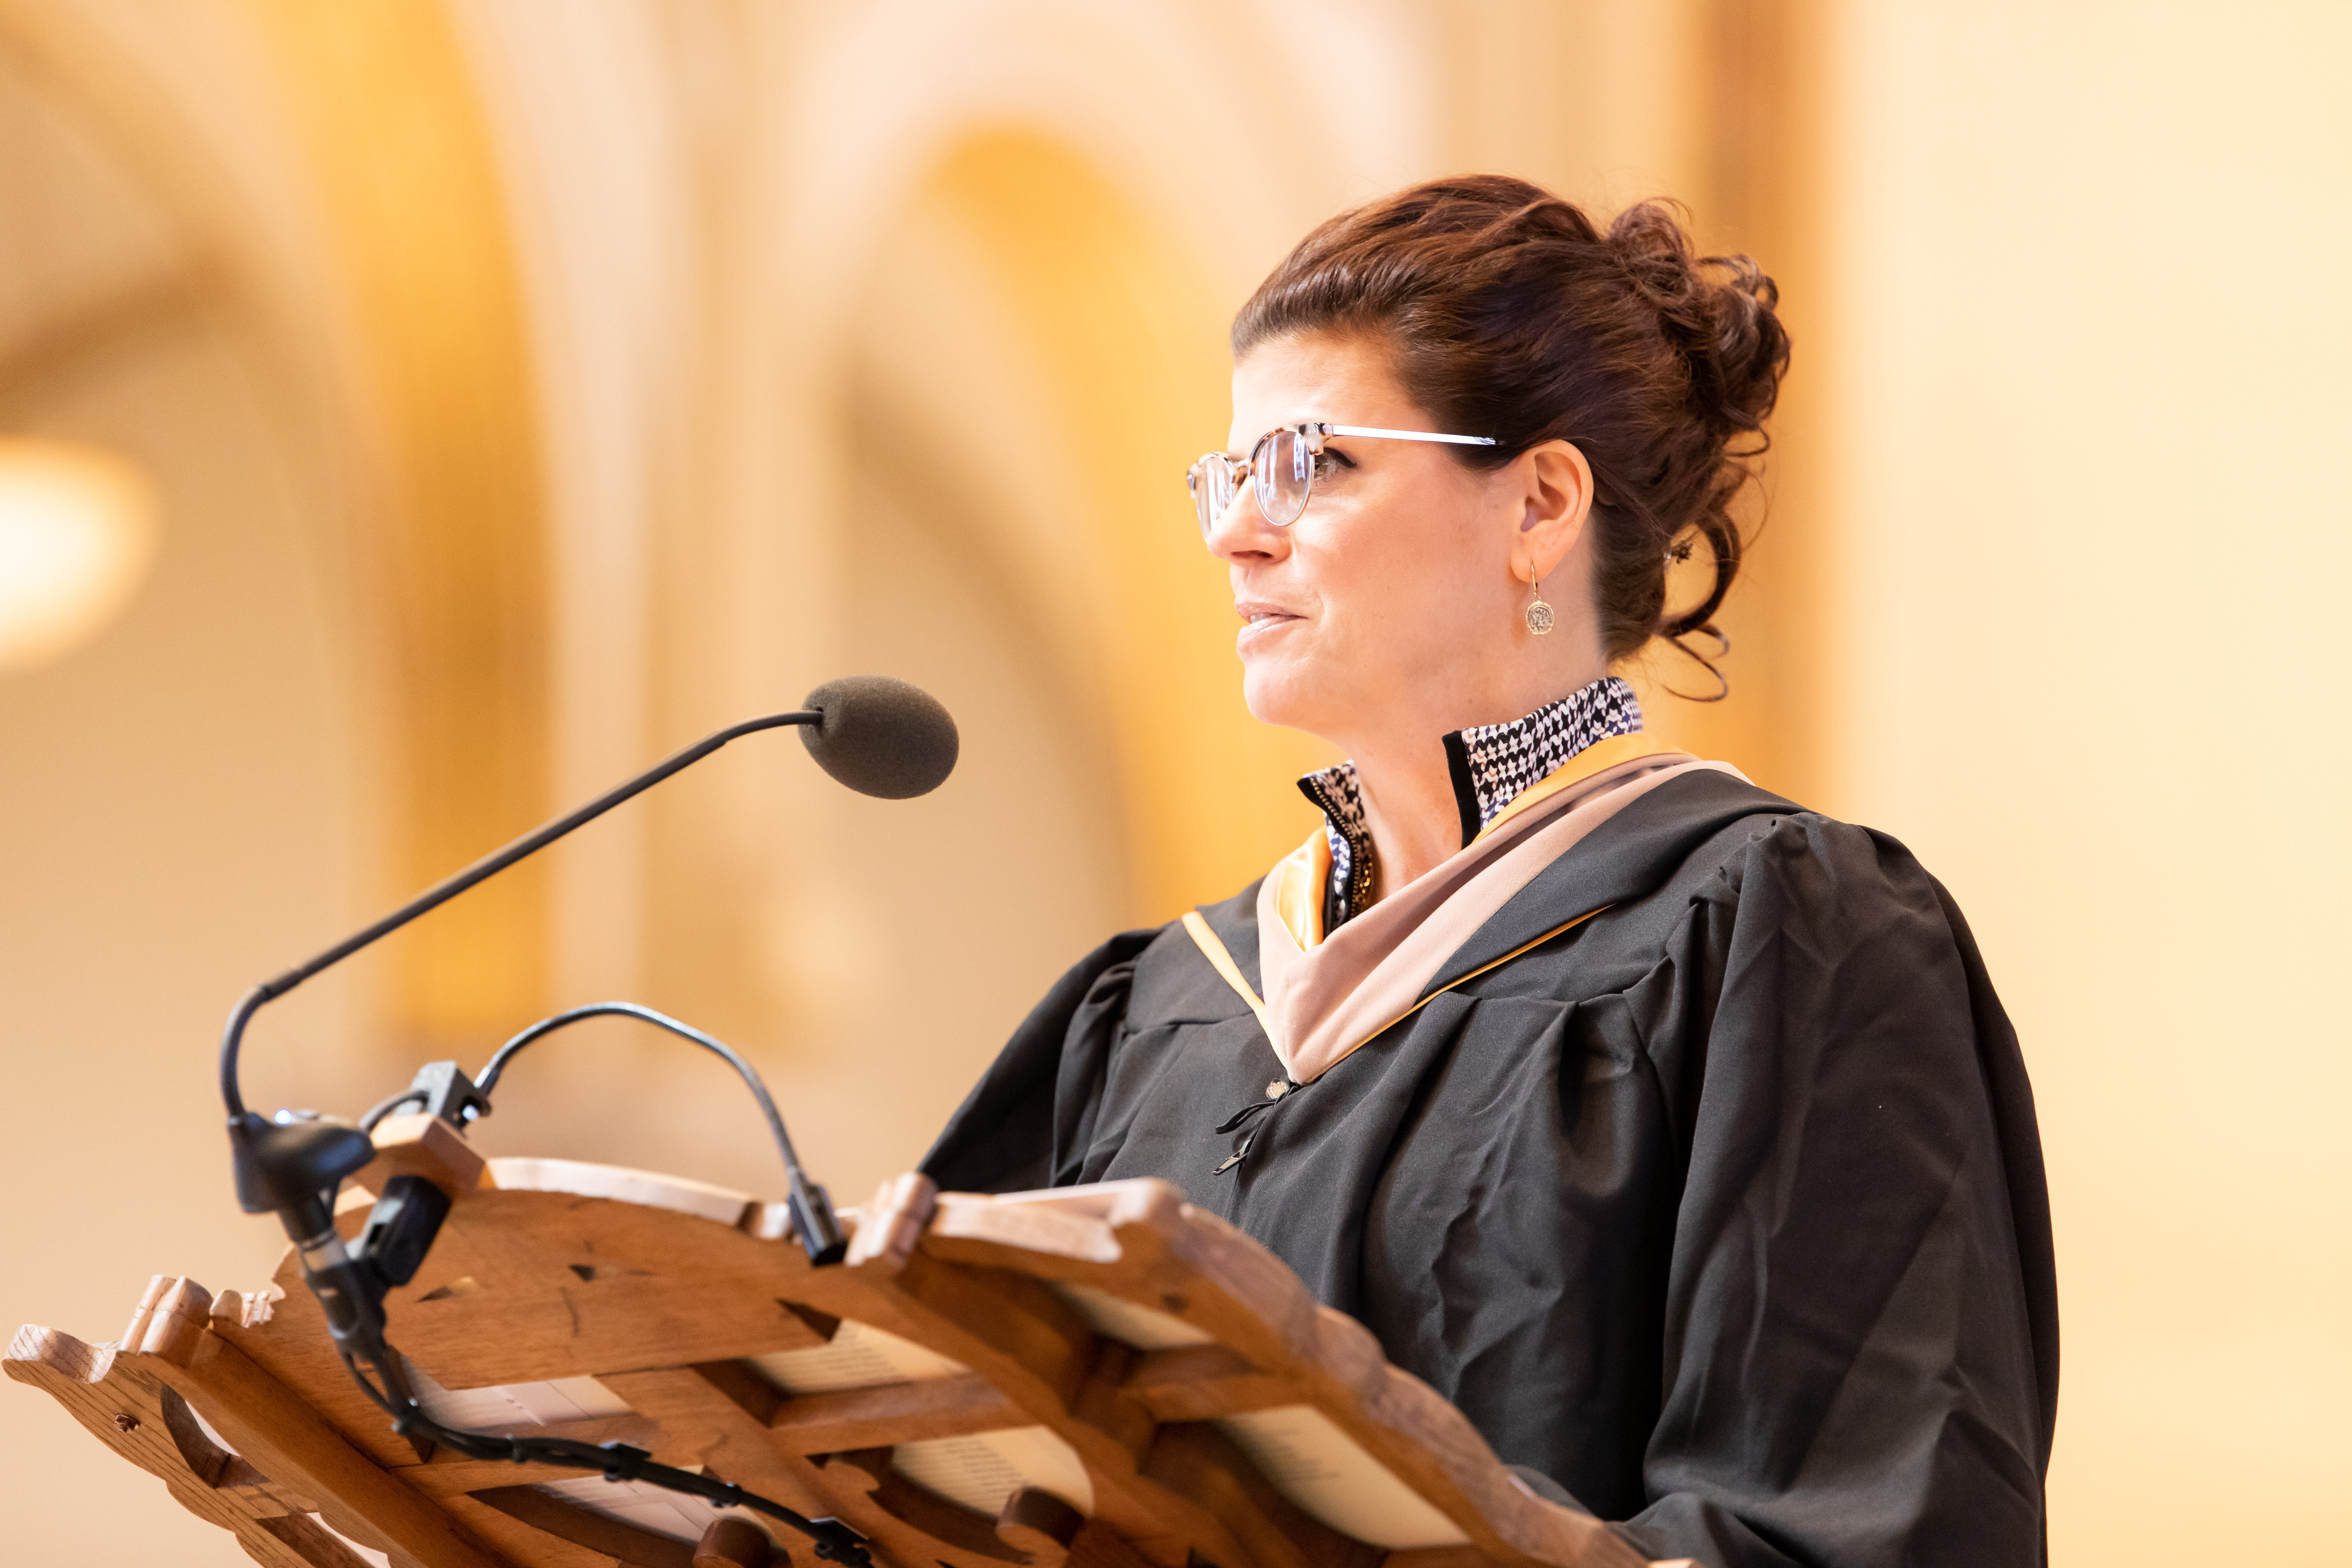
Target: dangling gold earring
[1540,616]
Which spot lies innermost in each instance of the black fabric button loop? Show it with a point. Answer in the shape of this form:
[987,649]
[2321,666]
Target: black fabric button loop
[1275,1092]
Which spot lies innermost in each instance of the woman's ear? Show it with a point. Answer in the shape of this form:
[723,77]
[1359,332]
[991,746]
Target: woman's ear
[1555,500]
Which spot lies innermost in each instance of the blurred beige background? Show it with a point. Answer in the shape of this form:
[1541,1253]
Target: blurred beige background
[526,387]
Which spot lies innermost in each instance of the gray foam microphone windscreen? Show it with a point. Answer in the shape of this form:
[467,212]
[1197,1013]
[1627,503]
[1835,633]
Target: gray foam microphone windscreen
[881,737]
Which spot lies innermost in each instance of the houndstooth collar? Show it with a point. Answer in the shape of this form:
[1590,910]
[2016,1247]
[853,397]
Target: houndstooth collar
[1492,764]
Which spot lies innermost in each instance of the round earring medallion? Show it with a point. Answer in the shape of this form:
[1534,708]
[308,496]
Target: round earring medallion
[1538,617]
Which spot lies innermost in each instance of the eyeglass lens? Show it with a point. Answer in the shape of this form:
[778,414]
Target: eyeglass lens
[1284,468]
[1211,481]
[1281,470]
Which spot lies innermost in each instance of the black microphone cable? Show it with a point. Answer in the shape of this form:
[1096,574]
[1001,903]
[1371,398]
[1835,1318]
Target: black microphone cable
[831,1539]
[810,1207]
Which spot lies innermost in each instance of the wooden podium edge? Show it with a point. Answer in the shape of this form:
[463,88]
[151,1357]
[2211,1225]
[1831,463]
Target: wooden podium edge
[287,1463]
[969,1276]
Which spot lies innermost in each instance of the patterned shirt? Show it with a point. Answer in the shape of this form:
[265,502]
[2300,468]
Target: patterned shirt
[1492,765]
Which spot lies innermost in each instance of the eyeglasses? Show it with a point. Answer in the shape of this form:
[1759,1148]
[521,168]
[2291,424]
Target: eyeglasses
[1283,465]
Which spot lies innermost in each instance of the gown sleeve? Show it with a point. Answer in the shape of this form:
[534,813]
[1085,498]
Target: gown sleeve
[1017,1129]
[1860,1353]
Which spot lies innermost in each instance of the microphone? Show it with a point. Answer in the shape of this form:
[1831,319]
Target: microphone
[878,736]
[881,737]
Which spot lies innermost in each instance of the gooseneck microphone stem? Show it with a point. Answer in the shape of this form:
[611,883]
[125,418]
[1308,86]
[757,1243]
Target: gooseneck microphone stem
[441,893]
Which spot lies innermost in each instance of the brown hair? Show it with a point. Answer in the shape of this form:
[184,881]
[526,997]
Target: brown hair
[1511,315]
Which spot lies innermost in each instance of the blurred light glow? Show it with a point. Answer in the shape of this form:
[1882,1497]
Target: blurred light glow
[77,533]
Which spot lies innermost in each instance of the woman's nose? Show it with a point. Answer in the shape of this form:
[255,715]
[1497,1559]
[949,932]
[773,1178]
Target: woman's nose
[1242,529]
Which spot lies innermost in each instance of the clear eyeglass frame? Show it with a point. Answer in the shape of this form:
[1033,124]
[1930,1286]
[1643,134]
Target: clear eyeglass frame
[1281,469]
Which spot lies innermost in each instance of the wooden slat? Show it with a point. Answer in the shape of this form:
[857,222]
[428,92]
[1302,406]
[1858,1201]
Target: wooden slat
[1104,1405]
[1196,1383]
[288,1441]
[311,1541]
[972,1536]
[1201,1463]
[895,1413]
[562,1326]
[521,1542]
[665,1289]
[699,1409]
[621,1541]
[1031,1344]
[1025,1338]
[290,1341]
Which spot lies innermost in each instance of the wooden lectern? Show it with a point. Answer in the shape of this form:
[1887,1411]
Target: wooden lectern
[1093,1377]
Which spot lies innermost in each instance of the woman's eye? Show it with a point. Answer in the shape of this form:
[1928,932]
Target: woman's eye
[1327,461]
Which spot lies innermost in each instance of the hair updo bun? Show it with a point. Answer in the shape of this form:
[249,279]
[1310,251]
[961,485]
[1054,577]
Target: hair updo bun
[1511,315]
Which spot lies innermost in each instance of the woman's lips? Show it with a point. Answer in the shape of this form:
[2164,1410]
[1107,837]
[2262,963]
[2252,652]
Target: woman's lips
[1259,621]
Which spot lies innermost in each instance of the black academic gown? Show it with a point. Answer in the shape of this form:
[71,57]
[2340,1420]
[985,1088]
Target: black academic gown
[1724,1209]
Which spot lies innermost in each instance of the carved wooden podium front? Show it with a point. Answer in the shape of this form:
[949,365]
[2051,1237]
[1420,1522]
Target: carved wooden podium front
[1094,1377]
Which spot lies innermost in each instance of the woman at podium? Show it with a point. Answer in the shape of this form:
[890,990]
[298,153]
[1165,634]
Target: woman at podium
[1672,1131]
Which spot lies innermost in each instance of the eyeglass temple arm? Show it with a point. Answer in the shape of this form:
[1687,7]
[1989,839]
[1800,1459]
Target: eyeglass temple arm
[1406,434]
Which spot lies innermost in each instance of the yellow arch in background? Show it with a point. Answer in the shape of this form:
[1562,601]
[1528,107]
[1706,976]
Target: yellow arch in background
[1134,346]
[391,124]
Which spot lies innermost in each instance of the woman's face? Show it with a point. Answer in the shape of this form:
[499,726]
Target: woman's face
[1392,601]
